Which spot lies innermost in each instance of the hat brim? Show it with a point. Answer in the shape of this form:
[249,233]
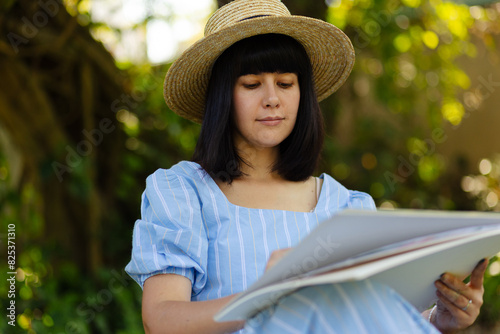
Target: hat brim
[329,49]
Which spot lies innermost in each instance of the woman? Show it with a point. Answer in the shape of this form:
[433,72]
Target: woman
[210,227]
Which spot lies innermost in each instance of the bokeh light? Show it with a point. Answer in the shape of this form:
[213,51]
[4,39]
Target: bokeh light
[369,161]
[485,166]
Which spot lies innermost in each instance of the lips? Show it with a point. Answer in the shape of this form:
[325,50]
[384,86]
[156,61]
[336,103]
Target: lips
[270,120]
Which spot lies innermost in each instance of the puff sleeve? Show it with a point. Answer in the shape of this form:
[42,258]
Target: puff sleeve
[170,237]
[360,200]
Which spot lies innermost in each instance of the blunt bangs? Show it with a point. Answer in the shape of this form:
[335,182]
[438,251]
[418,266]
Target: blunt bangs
[270,53]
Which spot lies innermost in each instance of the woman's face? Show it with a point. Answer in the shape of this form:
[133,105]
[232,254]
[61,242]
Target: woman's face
[265,108]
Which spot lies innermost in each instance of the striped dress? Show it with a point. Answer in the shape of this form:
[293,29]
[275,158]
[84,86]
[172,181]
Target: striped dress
[189,228]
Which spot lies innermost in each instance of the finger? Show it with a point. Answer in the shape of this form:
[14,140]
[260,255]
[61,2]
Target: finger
[462,318]
[454,283]
[451,295]
[477,276]
[276,256]
[453,308]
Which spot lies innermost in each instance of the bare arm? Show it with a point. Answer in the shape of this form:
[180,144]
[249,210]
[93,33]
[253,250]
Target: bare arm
[167,308]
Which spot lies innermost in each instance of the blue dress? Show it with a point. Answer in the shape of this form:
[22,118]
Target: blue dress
[189,228]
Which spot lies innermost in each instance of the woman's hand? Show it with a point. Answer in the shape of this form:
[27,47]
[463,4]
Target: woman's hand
[276,256]
[459,303]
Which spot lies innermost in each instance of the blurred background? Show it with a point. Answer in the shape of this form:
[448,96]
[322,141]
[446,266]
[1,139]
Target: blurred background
[83,123]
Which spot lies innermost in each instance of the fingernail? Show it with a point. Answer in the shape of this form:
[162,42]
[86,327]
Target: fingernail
[482,261]
[441,276]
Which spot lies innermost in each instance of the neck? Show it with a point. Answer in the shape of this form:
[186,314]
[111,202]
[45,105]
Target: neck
[260,162]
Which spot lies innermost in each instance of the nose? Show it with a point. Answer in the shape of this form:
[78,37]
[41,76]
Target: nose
[271,99]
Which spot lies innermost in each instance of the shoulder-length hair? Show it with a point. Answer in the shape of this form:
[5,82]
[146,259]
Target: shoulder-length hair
[269,53]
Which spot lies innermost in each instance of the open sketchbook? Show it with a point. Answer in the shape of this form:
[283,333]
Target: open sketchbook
[404,249]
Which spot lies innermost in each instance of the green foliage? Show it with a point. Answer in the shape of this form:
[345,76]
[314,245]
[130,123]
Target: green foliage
[157,137]
[52,294]
[404,89]
[488,317]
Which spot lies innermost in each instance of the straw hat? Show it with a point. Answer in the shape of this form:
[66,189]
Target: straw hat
[329,49]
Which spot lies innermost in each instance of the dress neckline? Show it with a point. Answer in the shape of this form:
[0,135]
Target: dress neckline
[213,185]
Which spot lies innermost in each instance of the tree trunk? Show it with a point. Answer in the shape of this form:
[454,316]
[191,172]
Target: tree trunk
[56,92]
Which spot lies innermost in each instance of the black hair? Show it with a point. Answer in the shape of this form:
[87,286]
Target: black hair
[269,53]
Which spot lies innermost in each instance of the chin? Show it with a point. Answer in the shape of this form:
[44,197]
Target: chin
[272,144]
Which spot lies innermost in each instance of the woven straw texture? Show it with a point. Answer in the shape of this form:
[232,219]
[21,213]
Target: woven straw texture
[329,49]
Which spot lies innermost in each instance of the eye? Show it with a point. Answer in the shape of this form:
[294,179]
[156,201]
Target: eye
[285,84]
[251,86]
